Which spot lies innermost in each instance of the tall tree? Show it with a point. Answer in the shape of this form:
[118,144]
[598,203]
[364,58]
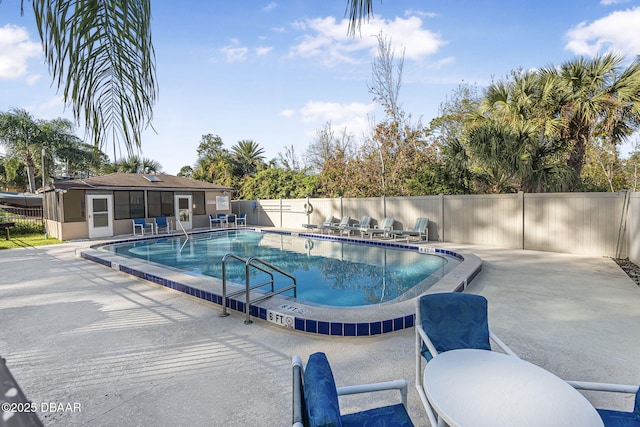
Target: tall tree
[387,78]
[455,175]
[137,164]
[289,160]
[513,136]
[22,137]
[214,162]
[325,142]
[80,160]
[186,171]
[597,99]
[248,157]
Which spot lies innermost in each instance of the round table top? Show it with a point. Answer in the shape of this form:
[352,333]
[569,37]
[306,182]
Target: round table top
[478,388]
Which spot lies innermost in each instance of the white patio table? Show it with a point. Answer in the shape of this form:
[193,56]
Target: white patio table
[476,388]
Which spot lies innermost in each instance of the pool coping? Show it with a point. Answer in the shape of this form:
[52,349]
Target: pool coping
[320,320]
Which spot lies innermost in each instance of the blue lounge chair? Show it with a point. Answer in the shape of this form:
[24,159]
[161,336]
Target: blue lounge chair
[315,398]
[419,230]
[161,222]
[450,321]
[610,417]
[142,225]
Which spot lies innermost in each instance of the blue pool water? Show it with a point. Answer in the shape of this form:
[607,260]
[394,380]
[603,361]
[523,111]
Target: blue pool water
[328,272]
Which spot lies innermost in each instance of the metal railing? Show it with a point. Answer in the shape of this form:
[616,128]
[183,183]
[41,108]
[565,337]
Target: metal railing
[260,265]
[185,233]
[21,215]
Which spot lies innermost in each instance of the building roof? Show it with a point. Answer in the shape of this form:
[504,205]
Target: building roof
[24,200]
[125,181]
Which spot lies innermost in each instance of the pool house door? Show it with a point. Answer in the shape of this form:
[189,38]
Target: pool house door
[184,211]
[100,215]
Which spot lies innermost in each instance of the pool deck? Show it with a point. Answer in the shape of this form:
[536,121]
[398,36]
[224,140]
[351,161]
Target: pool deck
[134,353]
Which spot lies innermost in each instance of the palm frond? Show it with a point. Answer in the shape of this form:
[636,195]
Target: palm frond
[101,57]
[357,10]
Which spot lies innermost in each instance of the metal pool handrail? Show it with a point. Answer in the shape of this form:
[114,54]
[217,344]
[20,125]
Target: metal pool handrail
[256,263]
[185,233]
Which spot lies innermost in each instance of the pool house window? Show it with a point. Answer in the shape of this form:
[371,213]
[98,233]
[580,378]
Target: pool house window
[129,204]
[199,207]
[74,206]
[160,203]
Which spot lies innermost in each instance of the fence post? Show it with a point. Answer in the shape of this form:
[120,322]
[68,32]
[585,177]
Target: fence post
[441,219]
[522,230]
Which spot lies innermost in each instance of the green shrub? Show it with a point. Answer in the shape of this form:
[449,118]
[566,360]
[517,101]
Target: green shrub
[26,227]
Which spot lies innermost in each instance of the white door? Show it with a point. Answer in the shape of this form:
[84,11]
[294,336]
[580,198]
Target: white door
[100,215]
[184,211]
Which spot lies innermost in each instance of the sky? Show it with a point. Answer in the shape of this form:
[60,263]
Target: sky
[275,72]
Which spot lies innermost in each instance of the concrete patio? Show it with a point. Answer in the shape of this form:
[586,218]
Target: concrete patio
[133,353]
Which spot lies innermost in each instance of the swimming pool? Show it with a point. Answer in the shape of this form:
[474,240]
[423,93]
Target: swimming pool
[350,321]
[328,272]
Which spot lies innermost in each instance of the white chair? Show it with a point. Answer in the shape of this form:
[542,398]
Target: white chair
[142,225]
[610,417]
[220,220]
[315,398]
[161,222]
[241,220]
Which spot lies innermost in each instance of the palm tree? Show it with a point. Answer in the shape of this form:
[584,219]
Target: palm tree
[21,135]
[102,57]
[247,156]
[136,164]
[597,99]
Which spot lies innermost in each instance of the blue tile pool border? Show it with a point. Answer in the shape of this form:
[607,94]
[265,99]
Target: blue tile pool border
[300,323]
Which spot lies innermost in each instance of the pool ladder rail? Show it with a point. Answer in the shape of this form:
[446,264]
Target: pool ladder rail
[258,264]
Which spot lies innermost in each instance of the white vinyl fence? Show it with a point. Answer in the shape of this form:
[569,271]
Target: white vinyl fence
[600,224]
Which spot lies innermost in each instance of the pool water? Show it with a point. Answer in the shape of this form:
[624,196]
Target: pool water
[328,272]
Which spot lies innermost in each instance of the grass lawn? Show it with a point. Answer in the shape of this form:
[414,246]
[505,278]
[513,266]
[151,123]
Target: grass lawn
[26,240]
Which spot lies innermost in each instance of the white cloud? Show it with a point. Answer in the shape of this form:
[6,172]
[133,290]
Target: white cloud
[616,32]
[354,117]
[265,50]
[33,79]
[420,13]
[234,52]
[49,108]
[334,112]
[270,7]
[15,51]
[327,39]
[610,2]
[441,63]
[287,113]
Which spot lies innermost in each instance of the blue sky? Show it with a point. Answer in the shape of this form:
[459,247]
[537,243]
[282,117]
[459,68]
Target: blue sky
[275,71]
